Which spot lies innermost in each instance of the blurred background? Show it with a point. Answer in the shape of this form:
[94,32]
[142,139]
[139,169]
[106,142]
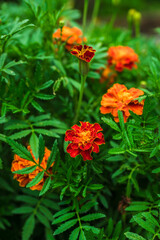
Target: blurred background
[150,10]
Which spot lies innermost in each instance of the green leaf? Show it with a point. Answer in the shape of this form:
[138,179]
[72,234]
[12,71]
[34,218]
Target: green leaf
[82,236]
[37,106]
[95,186]
[34,143]
[45,186]
[53,154]
[49,133]
[156,170]
[2,59]
[60,67]
[26,199]
[121,121]
[63,211]
[74,234]
[116,151]
[150,218]
[64,227]
[23,210]
[20,150]
[46,212]
[28,228]
[63,218]
[44,96]
[137,208]
[93,229]
[111,123]
[92,216]
[46,85]
[41,148]
[43,219]
[26,170]
[133,236]
[36,180]
[115,158]
[20,134]
[144,224]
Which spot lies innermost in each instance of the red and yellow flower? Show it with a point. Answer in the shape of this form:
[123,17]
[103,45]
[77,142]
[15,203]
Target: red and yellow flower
[122,57]
[120,98]
[84,53]
[69,35]
[20,163]
[84,139]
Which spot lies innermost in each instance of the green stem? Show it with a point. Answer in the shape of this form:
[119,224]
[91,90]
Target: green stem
[83,79]
[84,17]
[94,13]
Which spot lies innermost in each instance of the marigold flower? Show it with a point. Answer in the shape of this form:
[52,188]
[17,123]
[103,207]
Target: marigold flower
[20,163]
[69,35]
[122,57]
[120,98]
[85,139]
[85,53]
[108,74]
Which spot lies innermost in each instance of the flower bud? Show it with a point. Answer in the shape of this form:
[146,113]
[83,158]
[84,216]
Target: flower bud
[130,15]
[137,17]
[61,23]
[116,2]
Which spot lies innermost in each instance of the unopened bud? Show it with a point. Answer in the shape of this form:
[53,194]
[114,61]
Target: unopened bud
[143,84]
[61,23]
[130,15]
[116,2]
[137,17]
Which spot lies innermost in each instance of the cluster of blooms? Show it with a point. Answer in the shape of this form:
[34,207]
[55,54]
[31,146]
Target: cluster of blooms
[119,58]
[87,138]
[69,35]
[20,163]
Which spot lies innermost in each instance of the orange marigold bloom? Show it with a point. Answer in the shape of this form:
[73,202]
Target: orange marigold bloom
[20,163]
[120,98]
[69,35]
[108,74]
[85,139]
[122,57]
[85,53]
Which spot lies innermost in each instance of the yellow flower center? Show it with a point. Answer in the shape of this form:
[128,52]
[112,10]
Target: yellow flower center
[85,137]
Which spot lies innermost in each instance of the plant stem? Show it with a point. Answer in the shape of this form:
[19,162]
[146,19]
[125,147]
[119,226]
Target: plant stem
[84,18]
[83,79]
[94,13]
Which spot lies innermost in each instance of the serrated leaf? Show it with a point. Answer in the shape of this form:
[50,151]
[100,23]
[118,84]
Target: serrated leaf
[82,236]
[63,218]
[36,180]
[63,211]
[74,234]
[34,143]
[22,210]
[116,151]
[45,186]
[144,224]
[2,59]
[137,208]
[20,150]
[43,219]
[46,85]
[53,154]
[64,227]
[111,123]
[20,134]
[26,199]
[133,236]
[44,96]
[49,133]
[150,218]
[25,170]
[37,106]
[93,229]
[28,228]
[46,212]
[41,148]
[92,216]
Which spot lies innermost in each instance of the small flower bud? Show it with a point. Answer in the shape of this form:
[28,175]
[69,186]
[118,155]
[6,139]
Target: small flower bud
[137,17]
[143,84]
[116,2]
[61,23]
[130,15]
